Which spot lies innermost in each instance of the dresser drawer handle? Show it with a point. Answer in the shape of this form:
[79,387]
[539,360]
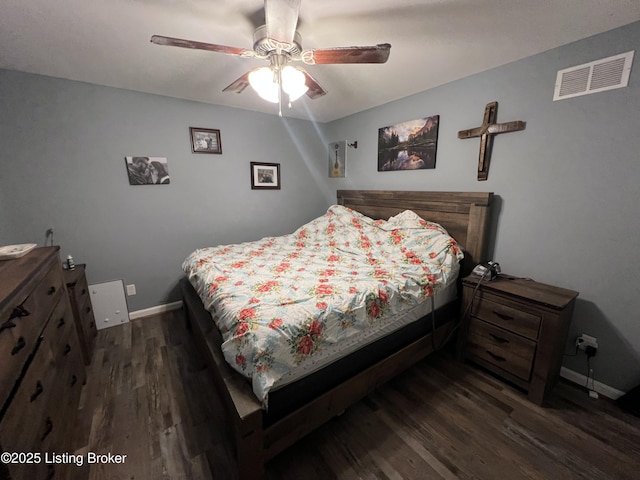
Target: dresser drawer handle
[83,291]
[52,290]
[67,349]
[87,310]
[496,357]
[502,316]
[20,344]
[18,312]
[61,322]
[7,325]
[74,379]
[48,429]
[499,339]
[37,392]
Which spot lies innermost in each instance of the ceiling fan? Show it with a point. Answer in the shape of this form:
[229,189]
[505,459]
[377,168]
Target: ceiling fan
[279,42]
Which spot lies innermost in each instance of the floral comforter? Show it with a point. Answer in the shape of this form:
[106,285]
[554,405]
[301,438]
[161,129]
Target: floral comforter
[280,300]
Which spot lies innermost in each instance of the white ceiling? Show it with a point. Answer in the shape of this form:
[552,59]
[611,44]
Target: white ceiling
[106,42]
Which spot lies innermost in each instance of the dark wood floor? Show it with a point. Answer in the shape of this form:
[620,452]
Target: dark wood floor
[149,398]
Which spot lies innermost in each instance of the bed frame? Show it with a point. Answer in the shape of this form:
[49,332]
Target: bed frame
[465,215]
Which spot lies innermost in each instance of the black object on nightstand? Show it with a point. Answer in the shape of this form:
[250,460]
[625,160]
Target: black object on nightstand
[516,328]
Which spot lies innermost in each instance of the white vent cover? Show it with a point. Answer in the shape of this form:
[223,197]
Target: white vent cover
[597,76]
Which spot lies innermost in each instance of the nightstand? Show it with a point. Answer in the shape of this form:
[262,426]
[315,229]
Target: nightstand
[76,281]
[517,329]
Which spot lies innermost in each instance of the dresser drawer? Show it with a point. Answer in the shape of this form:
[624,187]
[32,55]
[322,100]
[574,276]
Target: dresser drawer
[22,425]
[81,290]
[88,325]
[21,325]
[494,310]
[76,282]
[57,335]
[509,352]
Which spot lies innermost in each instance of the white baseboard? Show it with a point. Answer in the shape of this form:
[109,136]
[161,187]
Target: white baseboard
[147,312]
[599,387]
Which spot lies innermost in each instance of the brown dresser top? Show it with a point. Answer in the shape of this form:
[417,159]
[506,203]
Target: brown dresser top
[17,275]
[546,295]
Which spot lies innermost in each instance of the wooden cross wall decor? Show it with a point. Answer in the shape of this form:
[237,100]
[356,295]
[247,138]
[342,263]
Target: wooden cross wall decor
[486,131]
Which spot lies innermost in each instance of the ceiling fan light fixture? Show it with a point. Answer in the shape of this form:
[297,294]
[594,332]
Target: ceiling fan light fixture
[263,82]
[293,83]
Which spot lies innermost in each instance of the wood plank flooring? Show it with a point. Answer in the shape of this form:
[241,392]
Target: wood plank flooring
[148,397]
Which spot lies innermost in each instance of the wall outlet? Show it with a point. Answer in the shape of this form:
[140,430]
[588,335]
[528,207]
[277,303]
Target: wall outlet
[131,289]
[584,341]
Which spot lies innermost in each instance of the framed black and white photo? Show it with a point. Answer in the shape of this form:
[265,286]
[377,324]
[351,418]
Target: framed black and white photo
[265,176]
[205,140]
[147,170]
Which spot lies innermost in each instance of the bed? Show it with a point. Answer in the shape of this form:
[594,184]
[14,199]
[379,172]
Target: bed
[262,428]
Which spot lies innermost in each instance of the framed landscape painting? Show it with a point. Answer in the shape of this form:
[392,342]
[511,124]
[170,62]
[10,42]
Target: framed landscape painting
[409,145]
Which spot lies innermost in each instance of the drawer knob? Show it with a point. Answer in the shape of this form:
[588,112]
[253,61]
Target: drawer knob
[74,379]
[87,310]
[7,325]
[498,339]
[37,392]
[83,291]
[20,344]
[61,322]
[67,349]
[503,316]
[47,428]
[18,312]
[496,357]
[52,290]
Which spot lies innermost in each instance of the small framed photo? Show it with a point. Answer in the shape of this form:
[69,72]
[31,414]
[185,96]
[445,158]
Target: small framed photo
[205,140]
[265,176]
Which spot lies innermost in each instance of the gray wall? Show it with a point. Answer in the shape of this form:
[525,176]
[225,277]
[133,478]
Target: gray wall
[63,148]
[568,186]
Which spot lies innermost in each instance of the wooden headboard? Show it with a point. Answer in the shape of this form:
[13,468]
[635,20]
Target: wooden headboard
[465,215]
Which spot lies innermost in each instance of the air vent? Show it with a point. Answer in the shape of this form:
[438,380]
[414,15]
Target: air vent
[598,76]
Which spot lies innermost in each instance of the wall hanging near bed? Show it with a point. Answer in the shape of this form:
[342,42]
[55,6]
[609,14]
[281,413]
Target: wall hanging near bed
[337,159]
[147,170]
[408,145]
[486,131]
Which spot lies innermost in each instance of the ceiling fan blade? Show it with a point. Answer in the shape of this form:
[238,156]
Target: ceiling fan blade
[281,19]
[315,90]
[324,56]
[211,47]
[240,84]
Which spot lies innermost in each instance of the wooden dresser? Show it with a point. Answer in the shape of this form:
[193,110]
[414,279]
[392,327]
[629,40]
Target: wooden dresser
[78,290]
[41,367]
[517,328]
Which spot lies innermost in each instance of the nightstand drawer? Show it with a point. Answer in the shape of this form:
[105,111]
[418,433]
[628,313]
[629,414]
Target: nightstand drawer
[515,320]
[501,348]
